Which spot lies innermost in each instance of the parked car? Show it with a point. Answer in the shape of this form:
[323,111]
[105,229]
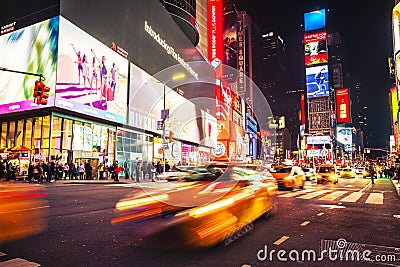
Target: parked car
[310,173]
[289,177]
[327,173]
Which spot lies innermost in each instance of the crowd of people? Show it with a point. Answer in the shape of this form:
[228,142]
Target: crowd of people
[40,171]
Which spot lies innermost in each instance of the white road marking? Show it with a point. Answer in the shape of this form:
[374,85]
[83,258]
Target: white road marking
[333,207]
[281,240]
[320,214]
[333,195]
[353,197]
[2,254]
[305,223]
[314,194]
[18,262]
[292,194]
[396,216]
[375,198]
[365,187]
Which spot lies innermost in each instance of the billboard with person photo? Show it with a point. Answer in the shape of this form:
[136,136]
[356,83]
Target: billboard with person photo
[91,77]
[317,81]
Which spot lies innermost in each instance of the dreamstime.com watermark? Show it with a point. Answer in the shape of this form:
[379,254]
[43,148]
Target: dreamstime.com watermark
[339,250]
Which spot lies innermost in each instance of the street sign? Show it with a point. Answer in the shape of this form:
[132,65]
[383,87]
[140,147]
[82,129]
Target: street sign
[160,125]
[165,114]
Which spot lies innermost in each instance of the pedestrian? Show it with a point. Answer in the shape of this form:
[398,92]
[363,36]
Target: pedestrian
[372,172]
[88,170]
[81,171]
[398,174]
[66,170]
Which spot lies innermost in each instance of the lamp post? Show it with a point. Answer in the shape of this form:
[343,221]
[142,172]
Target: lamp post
[165,112]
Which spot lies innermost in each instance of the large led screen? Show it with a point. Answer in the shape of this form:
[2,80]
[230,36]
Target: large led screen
[317,81]
[314,20]
[343,105]
[315,48]
[29,50]
[344,138]
[229,36]
[186,121]
[91,78]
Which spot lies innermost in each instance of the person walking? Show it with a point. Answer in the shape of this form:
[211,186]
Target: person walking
[81,171]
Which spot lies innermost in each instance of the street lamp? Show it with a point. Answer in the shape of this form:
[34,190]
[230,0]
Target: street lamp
[165,112]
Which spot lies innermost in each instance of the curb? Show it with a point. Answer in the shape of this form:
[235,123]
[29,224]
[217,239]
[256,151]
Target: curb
[396,186]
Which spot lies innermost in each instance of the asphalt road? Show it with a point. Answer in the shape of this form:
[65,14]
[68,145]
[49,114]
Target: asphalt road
[348,216]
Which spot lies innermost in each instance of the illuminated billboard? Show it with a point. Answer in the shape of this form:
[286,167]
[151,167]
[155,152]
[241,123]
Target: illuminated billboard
[229,36]
[344,138]
[215,39]
[185,119]
[394,112]
[343,105]
[314,20]
[91,78]
[317,81]
[29,50]
[315,48]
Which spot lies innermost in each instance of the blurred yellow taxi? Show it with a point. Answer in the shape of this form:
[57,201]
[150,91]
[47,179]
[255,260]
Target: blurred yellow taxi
[347,173]
[327,173]
[202,210]
[23,210]
[289,176]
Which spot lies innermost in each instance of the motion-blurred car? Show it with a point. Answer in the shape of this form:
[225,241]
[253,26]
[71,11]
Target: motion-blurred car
[310,173]
[203,209]
[347,173]
[24,210]
[327,173]
[289,177]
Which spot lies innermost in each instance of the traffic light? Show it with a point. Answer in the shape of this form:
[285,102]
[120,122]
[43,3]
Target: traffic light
[45,95]
[37,89]
[40,93]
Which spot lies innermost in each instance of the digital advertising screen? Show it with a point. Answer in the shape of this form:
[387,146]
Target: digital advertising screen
[91,78]
[314,20]
[344,137]
[28,50]
[317,81]
[185,120]
[229,36]
[343,105]
[315,49]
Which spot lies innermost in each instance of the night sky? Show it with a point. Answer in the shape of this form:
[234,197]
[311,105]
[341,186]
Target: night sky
[365,29]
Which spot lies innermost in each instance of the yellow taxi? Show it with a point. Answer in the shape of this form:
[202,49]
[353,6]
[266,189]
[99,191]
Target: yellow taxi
[347,173]
[289,177]
[327,173]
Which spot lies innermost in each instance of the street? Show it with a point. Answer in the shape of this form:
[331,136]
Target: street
[348,215]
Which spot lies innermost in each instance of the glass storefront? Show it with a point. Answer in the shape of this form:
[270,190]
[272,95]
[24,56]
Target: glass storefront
[133,148]
[61,138]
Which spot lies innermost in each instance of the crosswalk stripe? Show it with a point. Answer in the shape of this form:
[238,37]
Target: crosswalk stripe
[314,194]
[18,262]
[353,197]
[333,195]
[375,198]
[2,254]
[292,194]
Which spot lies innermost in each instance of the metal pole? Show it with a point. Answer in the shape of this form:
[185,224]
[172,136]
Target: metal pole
[163,142]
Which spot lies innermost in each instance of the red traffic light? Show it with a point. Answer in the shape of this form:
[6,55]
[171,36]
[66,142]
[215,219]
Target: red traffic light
[41,93]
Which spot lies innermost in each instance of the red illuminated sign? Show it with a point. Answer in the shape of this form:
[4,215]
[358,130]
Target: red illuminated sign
[215,40]
[342,105]
[303,112]
[314,37]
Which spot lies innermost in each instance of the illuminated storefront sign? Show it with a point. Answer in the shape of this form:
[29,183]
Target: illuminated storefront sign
[343,105]
[241,56]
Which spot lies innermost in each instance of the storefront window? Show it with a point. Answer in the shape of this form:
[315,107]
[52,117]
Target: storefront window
[46,132]
[67,134]
[20,132]
[56,136]
[11,135]
[28,133]
[37,132]
[3,134]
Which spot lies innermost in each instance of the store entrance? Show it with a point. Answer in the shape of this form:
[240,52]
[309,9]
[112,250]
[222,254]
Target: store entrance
[93,162]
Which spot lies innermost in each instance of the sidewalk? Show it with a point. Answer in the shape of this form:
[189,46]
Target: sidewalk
[109,181]
[386,184]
